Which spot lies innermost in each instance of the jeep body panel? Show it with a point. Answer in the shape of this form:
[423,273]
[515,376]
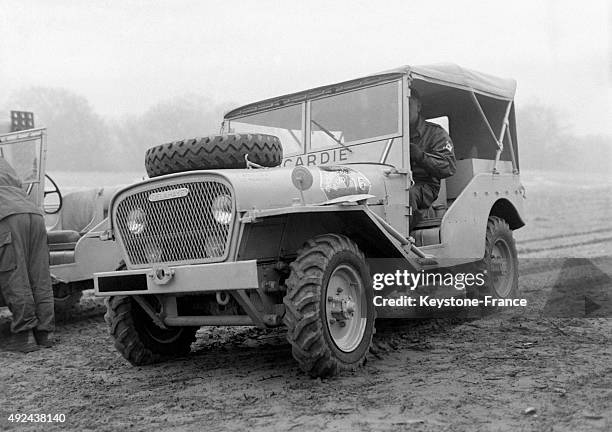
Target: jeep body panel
[90,255]
[269,193]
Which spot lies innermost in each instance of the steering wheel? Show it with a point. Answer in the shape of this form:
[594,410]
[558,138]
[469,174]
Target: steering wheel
[55,190]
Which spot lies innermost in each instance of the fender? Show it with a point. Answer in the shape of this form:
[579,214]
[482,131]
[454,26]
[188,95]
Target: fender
[463,227]
[267,234]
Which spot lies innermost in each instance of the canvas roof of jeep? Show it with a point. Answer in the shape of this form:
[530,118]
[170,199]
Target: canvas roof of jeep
[445,74]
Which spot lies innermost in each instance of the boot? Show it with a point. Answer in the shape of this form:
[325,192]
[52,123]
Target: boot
[44,338]
[21,342]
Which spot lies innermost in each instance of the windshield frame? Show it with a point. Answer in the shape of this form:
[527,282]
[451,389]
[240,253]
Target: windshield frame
[306,125]
[398,133]
[34,188]
[303,136]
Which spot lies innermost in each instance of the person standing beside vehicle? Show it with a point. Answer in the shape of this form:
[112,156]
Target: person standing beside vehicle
[432,158]
[25,280]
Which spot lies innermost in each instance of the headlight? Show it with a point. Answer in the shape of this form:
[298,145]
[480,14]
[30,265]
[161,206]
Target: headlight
[137,220]
[222,209]
[153,253]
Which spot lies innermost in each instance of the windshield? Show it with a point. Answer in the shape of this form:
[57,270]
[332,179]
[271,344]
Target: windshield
[285,123]
[23,151]
[356,116]
[23,158]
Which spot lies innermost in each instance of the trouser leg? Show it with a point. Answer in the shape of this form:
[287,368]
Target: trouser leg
[40,277]
[14,279]
[422,195]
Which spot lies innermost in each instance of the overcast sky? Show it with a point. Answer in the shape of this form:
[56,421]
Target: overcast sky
[125,56]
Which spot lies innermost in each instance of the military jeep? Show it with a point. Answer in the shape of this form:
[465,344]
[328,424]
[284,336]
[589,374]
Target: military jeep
[284,217]
[74,220]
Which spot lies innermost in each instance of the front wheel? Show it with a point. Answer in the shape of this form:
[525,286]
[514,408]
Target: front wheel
[139,340]
[329,306]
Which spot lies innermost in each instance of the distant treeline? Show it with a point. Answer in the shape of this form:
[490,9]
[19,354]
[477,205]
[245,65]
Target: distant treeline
[80,139]
[547,142]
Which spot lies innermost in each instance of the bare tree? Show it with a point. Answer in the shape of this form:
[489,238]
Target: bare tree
[78,138]
[178,118]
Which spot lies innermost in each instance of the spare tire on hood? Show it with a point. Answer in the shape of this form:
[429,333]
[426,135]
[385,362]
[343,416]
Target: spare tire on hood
[213,152]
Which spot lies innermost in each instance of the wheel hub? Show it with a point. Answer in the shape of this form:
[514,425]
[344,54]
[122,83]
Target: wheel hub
[344,308]
[501,268]
[498,265]
[341,308]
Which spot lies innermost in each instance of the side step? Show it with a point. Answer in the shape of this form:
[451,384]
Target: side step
[423,259]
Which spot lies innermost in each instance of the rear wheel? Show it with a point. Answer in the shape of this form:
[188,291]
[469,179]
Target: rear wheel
[66,296]
[139,340]
[500,262]
[329,309]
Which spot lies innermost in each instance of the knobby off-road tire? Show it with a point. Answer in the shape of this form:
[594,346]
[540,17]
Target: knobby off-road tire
[138,339]
[500,263]
[213,152]
[66,296]
[323,348]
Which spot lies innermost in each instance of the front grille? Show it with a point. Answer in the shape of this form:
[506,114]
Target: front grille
[179,226]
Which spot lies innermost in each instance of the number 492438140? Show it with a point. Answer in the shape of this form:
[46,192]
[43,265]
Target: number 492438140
[37,418]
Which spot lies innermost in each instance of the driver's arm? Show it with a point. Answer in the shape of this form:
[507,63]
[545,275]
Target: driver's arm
[439,158]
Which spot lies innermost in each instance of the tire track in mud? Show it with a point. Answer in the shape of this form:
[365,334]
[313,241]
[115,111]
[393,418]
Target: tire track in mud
[568,287]
[565,245]
[565,235]
[532,266]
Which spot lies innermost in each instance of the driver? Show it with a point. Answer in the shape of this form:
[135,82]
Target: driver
[431,158]
[25,281]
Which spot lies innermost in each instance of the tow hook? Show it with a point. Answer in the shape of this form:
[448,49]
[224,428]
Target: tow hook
[162,275]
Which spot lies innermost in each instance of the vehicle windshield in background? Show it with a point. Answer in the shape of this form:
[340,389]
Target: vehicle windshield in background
[23,157]
[285,123]
[361,115]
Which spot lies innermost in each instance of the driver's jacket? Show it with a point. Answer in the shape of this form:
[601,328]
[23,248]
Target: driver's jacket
[438,157]
[13,199]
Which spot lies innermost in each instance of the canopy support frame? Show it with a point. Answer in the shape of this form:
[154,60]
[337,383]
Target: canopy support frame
[406,168]
[498,140]
[512,155]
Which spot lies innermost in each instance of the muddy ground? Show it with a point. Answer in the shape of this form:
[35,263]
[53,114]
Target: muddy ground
[522,369]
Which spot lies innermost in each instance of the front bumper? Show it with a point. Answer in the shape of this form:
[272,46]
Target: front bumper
[195,278]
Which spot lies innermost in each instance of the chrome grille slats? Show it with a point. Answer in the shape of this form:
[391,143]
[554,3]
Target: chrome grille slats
[178,230]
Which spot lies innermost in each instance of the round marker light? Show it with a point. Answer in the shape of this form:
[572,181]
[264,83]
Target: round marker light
[222,209]
[153,253]
[214,247]
[137,221]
